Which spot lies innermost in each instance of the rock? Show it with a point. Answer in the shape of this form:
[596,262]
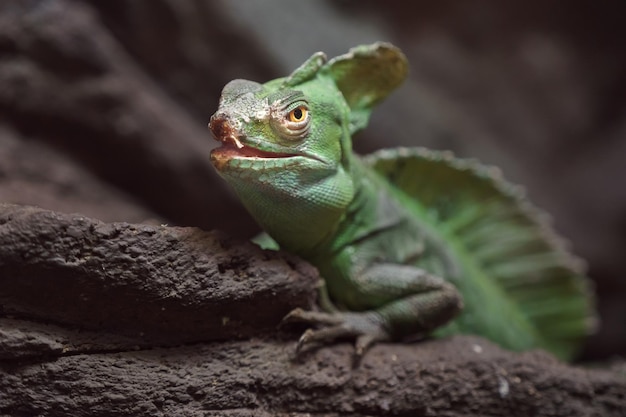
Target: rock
[158,285]
[452,377]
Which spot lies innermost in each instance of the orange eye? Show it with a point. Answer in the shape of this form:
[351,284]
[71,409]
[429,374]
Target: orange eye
[298,114]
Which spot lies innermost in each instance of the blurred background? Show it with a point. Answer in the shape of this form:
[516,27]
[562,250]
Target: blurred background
[104,105]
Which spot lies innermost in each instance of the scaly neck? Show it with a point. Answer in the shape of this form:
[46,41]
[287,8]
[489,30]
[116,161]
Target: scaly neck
[298,209]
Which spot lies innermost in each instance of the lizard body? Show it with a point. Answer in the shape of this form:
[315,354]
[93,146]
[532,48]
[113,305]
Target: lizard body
[399,251]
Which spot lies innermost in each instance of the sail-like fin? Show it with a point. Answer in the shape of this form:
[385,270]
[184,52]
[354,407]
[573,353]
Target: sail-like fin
[505,243]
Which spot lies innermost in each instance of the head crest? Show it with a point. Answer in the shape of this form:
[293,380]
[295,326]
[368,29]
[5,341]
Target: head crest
[365,76]
[306,71]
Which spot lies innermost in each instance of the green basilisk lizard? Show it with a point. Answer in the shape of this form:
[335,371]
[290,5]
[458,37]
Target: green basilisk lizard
[403,238]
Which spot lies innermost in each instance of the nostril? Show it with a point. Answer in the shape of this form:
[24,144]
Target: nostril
[219,125]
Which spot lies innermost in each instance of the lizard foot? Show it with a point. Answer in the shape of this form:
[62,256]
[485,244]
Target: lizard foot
[365,327]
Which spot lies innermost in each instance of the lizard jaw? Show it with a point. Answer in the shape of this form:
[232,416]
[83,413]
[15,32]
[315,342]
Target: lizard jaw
[229,150]
[232,147]
[237,149]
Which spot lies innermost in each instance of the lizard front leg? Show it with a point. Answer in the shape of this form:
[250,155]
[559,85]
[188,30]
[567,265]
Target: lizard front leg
[409,300]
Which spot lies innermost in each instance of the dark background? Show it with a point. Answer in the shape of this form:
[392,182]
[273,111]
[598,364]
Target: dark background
[104,105]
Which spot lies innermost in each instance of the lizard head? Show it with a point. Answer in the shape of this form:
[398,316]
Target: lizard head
[260,124]
[286,144]
[306,119]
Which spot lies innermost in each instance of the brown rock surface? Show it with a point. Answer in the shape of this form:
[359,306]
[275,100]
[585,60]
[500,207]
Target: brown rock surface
[160,285]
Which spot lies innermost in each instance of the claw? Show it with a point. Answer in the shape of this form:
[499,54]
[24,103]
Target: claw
[365,327]
[303,340]
[293,316]
[364,342]
[325,335]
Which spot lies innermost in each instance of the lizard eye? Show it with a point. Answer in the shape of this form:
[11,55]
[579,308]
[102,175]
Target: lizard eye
[298,114]
[294,123]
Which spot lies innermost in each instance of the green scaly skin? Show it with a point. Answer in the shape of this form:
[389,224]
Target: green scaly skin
[286,152]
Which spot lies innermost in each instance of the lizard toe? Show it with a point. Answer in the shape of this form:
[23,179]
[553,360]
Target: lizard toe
[299,315]
[325,335]
[366,328]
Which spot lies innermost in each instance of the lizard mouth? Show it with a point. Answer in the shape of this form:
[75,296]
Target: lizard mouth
[235,149]
[232,146]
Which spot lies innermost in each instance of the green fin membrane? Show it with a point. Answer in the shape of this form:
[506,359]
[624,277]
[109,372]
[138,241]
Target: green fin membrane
[514,264]
[366,75]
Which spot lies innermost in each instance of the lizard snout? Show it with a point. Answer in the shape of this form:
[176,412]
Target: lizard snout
[223,130]
[220,126]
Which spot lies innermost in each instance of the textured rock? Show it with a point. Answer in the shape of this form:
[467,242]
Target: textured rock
[454,377]
[159,285]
